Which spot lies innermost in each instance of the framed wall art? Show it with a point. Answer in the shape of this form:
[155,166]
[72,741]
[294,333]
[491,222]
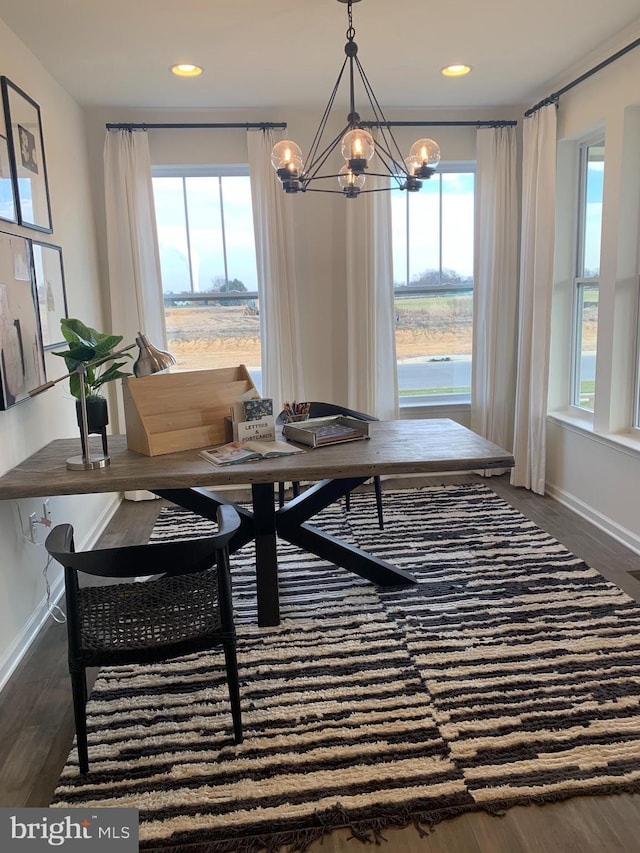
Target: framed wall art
[50,290]
[21,354]
[26,154]
[8,210]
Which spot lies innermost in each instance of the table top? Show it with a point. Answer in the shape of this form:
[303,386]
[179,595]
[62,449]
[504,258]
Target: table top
[395,447]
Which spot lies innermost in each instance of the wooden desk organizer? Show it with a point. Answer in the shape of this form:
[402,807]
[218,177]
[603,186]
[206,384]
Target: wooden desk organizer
[168,412]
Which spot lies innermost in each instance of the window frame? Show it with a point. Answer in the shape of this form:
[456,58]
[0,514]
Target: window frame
[581,282]
[221,170]
[196,297]
[433,401]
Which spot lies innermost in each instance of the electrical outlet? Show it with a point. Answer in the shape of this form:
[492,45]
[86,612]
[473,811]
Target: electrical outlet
[33,521]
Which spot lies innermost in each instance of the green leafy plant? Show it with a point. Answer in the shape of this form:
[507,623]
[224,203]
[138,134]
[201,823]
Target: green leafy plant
[85,346]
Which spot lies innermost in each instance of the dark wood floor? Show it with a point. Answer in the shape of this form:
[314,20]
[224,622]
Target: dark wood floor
[36,725]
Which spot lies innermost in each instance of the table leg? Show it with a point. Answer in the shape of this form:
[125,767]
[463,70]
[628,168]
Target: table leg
[292,527]
[264,514]
[259,525]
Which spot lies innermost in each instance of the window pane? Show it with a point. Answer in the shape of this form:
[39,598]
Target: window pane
[589,263]
[238,228]
[586,347]
[457,227]
[434,326]
[205,231]
[399,239]
[168,194]
[424,234]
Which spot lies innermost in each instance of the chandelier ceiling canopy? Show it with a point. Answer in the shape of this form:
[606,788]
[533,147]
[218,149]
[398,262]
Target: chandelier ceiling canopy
[363,156]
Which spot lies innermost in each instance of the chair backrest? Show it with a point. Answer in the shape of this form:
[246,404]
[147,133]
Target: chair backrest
[323,410]
[167,558]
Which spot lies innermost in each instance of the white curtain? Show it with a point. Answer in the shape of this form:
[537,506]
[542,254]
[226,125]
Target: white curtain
[135,284]
[536,283]
[495,287]
[371,345]
[273,224]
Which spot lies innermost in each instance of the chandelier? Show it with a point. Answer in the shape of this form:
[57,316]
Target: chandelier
[362,154]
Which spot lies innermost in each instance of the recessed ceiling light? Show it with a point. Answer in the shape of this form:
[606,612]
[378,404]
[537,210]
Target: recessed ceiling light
[458,70]
[186,70]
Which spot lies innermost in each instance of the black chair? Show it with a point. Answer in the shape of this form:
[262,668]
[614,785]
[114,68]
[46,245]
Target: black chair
[324,410]
[187,609]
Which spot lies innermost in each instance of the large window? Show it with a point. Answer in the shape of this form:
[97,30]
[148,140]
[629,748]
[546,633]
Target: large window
[587,275]
[433,232]
[207,250]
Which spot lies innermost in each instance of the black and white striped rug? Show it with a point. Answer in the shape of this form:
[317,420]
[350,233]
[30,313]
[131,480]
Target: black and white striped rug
[509,674]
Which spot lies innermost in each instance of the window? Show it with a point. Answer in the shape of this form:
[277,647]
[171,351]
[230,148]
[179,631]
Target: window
[432,233]
[587,274]
[207,249]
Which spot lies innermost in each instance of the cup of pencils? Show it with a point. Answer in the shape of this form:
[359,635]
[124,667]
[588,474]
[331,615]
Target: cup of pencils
[295,412]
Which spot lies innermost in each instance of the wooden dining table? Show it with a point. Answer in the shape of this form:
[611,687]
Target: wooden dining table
[185,478]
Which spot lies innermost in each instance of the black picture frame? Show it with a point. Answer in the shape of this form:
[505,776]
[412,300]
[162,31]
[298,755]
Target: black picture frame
[8,208]
[22,364]
[51,293]
[26,154]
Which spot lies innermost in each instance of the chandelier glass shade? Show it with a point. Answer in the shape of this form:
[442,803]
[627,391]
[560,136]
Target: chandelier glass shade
[363,156]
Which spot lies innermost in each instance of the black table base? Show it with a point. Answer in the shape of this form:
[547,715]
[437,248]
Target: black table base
[265,523]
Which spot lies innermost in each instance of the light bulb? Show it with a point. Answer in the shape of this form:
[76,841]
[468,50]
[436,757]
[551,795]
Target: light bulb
[357,149]
[424,157]
[350,182]
[412,164]
[427,151]
[286,159]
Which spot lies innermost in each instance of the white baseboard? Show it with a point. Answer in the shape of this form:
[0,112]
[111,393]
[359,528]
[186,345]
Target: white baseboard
[602,522]
[21,644]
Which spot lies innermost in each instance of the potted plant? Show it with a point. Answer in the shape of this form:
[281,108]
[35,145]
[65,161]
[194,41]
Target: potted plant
[86,345]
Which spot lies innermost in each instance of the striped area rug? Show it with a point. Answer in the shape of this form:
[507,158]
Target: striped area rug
[509,674]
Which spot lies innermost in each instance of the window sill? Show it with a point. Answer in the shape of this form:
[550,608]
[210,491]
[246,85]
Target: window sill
[627,442]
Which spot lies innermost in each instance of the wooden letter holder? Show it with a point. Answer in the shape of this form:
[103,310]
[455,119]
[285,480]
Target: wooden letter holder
[168,412]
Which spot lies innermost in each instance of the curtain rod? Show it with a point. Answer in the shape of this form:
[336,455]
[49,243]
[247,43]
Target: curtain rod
[247,125]
[478,123]
[553,98]
[282,125]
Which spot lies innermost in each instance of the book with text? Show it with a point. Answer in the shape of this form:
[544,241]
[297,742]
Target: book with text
[236,452]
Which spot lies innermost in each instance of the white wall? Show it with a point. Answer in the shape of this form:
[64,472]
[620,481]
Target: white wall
[32,423]
[594,464]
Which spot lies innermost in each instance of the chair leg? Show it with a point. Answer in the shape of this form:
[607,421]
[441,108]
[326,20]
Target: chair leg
[233,682]
[378,487]
[295,488]
[79,693]
[280,495]
[347,501]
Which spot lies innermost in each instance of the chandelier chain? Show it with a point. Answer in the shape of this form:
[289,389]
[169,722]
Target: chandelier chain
[351,32]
